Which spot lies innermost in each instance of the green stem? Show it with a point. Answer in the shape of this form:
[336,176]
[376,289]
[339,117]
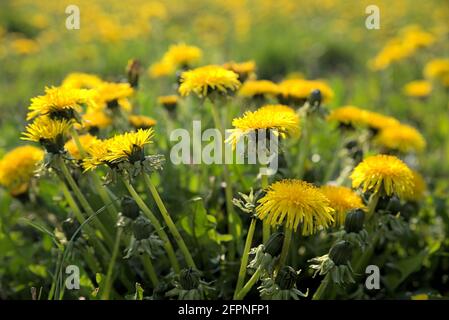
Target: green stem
[160,231]
[251,282]
[168,220]
[149,268]
[285,248]
[245,255]
[84,203]
[109,275]
[372,203]
[79,216]
[266,228]
[304,146]
[319,293]
[334,162]
[227,179]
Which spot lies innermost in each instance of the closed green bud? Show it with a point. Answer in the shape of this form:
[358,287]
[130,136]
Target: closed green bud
[142,228]
[394,205]
[286,278]
[130,208]
[315,97]
[189,279]
[354,221]
[274,244]
[341,253]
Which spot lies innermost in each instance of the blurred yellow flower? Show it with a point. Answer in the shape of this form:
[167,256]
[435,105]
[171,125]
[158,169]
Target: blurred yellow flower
[167,100]
[254,88]
[342,200]
[349,115]
[112,93]
[403,138]
[182,55]
[86,142]
[96,119]
[296,202]
[161,68]
[141,122]
[17,168]
[419,187]
[243,69]
[436,69]
[205,80]
[300,89]
[79,80]
[378,121]
[357,117]
[418,89]
[385,174]
[24,46]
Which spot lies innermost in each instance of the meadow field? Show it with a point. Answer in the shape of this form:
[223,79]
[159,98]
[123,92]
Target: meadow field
[224,149]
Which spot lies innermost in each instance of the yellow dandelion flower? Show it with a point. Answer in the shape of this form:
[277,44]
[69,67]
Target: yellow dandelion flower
[402,138]
[167,100]
[253,88]
[60,102]
[296,202]
[395,50]
[17,168]
[418,89]
[79,80]
[128,146]
[383,173]
[421,296]
[349,115]
[204,80]
[86,141]
[97,152]
[96,119]
[357,117]
[300,89]
[161,68]
[279,119]
[342,200]
[141,122]
[182,54]
[379,121]
[112,93]
[243,69]
[25,46]
[419,187]
[436,68]
[415,37]
[48,132]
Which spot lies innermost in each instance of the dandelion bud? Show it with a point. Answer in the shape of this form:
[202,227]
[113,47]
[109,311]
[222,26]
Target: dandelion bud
[130,208]
[341,253]
[69,228]
[274,244]
[394,205]
[354,221]
[112,104]
[133,72]
[286,278]
[351,144]
[189,279]
[142,228]
[315,98]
